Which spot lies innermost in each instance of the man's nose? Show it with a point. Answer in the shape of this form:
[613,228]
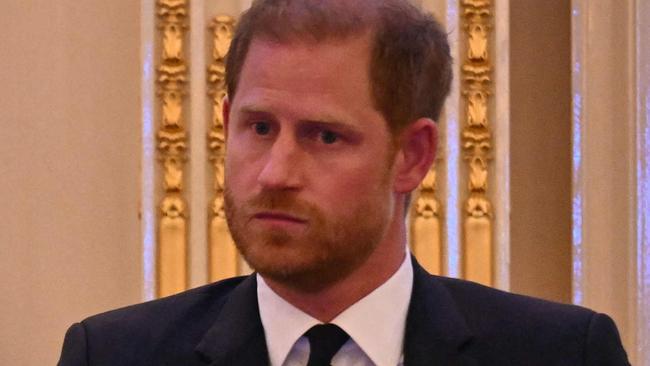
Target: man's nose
[281,169]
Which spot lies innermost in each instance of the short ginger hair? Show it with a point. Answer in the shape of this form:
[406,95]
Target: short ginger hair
[410,69]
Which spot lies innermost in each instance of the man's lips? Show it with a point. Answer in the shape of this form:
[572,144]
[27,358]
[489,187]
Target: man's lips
[278,217]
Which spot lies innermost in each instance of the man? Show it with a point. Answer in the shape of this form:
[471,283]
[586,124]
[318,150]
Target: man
[330,126]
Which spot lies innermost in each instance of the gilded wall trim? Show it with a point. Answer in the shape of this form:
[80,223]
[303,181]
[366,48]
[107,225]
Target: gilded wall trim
[426,225]
[476,142]
[172,271]
[223,257]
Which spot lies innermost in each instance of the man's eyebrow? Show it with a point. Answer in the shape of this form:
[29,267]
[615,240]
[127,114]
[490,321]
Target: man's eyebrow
[254,110]
[329,123]
[322,120]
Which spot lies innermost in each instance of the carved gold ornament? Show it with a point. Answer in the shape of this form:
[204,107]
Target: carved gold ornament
[476,142]
[172,271]
[223,257]
[426,225]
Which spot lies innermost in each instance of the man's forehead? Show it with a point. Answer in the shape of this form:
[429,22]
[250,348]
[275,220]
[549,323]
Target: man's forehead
[268,59]
[327,82]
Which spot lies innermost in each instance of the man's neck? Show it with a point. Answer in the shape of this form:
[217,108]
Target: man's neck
[328,302]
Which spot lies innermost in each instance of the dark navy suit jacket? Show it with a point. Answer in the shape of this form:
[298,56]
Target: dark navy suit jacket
[450,322]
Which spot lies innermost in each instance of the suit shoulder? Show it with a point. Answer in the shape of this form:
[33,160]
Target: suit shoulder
[486,307]
[159,332]
[523,327]
[196,302]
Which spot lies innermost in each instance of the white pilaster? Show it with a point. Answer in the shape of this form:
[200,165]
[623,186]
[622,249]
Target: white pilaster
[501,172]
[642,160]
[148,156]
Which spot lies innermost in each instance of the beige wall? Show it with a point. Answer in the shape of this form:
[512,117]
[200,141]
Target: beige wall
[70,122]
[540,145]
[70,243]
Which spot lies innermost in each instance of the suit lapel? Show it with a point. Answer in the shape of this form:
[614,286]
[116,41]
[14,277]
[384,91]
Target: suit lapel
[237,336]
[436,332]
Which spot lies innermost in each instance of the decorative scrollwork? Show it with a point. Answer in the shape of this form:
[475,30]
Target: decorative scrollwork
[476,142]
[224,259]
[172,144]
[426,226]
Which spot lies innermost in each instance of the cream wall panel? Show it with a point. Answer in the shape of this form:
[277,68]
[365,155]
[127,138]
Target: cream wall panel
[605,222]
[69,236]
[540,99]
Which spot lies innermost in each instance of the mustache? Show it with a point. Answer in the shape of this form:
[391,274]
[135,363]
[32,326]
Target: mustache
[286,202]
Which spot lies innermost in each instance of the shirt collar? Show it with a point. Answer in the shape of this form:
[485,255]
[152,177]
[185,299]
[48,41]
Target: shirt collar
[376,322]
[283,323]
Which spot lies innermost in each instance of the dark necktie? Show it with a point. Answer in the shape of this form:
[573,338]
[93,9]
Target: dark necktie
[324,341]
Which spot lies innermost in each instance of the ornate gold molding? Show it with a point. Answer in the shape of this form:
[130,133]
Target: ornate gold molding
[172,271]
[223,257]
[426,225]
[476,142]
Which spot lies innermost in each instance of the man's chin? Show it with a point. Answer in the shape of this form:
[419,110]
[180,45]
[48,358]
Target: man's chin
[303,272]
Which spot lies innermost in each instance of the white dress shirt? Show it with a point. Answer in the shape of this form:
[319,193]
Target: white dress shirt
[376,325]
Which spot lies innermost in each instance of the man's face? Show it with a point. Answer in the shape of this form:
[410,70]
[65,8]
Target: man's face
[308,163]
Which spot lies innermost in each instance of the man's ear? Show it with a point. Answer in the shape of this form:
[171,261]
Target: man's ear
[415,154]
[226,114]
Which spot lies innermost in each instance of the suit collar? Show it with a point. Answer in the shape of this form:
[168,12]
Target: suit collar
[436,332]
[237,336]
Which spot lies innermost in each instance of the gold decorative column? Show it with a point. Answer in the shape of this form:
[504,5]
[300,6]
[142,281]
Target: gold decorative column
[476,142]
[426,226]
[172,143]
[223,257]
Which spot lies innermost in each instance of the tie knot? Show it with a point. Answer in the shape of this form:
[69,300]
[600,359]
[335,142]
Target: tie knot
[324,341]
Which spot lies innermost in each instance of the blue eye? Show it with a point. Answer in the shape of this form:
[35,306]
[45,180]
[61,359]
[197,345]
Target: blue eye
[328,137]
[262,128]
